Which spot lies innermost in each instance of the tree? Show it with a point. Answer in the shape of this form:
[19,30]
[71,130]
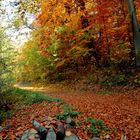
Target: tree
[136,31]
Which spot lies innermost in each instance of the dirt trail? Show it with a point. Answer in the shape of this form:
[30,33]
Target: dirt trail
[120,112]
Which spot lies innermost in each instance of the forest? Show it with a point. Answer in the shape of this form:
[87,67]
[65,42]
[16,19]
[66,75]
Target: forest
[70,69]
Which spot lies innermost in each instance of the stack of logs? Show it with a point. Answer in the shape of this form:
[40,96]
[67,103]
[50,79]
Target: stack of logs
[51,129]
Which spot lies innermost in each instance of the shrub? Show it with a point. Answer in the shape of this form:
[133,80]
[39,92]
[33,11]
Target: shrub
[68,112]
[115,80]
[7,65]
[97,127]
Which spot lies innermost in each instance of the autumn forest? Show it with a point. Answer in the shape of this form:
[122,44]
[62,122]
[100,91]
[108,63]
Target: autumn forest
[74,74]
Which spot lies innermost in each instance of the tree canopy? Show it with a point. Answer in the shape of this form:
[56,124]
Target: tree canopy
[80,35]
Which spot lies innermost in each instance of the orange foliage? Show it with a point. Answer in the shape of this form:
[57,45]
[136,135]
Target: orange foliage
[107,20]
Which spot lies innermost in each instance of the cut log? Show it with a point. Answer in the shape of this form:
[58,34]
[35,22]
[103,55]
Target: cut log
[70,136]
[70,122]
[1,128]
[42,131]
[51,134]
[38,126]
[60,131]
[30,134]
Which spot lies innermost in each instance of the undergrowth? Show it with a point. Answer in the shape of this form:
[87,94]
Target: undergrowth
[31,97]
[97,127]
[20,98]
[68,111]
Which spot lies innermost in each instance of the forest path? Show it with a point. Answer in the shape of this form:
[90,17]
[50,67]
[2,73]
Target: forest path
[120,111]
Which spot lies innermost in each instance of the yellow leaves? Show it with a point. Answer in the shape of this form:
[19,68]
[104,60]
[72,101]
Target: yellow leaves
[73,21]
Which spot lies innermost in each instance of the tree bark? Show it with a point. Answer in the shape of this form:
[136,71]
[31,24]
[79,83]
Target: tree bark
[136,31]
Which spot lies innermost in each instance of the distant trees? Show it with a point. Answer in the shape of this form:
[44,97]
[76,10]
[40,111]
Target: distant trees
[32,66]
[6,66]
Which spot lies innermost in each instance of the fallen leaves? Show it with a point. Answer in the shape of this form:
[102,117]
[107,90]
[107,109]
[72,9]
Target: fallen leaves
[22,119]
[120,112]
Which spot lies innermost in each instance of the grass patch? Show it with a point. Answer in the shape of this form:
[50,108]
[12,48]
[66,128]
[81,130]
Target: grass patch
[97,127]
[67,112]
[105,92]
[115,80]
[31,97]
[5,114]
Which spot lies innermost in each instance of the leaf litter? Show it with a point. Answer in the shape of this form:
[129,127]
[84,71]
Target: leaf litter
[120,112]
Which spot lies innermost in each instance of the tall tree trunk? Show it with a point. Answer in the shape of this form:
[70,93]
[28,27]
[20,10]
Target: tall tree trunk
[136,31]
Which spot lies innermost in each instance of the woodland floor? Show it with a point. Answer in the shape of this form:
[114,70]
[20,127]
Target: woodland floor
[120,111]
